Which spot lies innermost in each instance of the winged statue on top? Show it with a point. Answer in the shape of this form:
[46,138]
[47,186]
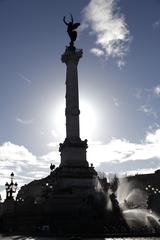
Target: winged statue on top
[71,26]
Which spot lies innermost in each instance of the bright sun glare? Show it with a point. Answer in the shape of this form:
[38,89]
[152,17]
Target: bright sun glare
[87,121]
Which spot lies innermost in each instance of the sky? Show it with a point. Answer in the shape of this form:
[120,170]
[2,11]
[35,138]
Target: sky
[119,84]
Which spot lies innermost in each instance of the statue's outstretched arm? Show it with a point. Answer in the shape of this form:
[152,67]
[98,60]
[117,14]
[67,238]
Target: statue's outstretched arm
[64,20]
[71,18]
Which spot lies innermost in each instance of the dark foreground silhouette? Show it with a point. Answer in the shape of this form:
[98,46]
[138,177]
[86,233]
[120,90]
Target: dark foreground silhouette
[64,213]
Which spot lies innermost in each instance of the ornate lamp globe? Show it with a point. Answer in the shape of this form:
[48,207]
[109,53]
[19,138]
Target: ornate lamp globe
[12,176]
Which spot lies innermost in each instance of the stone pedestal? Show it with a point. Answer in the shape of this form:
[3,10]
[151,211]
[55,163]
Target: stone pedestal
[75,180]
[73,152]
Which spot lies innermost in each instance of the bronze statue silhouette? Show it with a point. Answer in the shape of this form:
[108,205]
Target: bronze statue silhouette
[71,26]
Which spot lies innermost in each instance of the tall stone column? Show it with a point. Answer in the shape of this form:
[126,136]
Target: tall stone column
[71,59]
[73,150]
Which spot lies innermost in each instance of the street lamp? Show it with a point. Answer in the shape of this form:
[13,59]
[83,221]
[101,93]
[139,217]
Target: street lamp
[10,187]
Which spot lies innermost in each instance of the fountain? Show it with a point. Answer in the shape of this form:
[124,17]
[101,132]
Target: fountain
[134,204]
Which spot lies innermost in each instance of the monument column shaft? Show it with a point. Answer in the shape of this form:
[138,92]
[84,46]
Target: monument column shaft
[73,150]
[71,59]
[72,101]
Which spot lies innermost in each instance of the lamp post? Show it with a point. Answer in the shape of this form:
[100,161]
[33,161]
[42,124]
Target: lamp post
[11,187]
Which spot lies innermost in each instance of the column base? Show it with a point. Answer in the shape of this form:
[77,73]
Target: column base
[73,152]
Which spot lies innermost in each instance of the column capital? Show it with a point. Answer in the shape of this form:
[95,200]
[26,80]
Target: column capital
[71,56]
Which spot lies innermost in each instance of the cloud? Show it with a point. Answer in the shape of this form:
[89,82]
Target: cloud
[25,165]
[156,90]
[54,133]
[145,109]
[108,25]
[145,93]
[120,155]
[97,52]
[17,159]
[147,98]
[116,101]
[156,24]
[131,166]
[153,137]
[53,144]
[24,121]
[25,78]
[10,151]
[148,110]
[53,156]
